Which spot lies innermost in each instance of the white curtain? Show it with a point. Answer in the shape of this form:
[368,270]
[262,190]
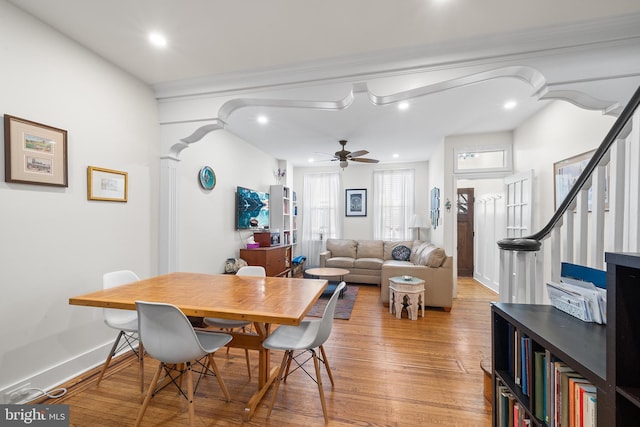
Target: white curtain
[393,204]
[320,218]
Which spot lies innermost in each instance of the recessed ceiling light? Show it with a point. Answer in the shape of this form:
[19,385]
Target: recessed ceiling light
[310,160]
[510,105]
[396,155]
[403,105]
[157,39]
[263,120]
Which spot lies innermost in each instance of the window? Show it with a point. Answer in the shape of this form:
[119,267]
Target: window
[320,216]
[486,159]
[393,203]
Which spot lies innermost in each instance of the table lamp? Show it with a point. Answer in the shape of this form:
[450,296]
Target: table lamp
[418,221]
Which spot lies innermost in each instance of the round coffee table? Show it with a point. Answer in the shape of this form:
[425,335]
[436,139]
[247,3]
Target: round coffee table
[329,272]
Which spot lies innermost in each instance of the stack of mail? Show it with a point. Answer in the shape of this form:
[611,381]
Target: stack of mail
[580,299]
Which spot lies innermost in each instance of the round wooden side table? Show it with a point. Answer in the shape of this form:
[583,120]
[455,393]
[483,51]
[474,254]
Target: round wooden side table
[329,272]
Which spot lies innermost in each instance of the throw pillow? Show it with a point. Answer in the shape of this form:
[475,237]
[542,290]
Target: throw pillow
[425,254]
[417,251]
[401,253]
[436,258]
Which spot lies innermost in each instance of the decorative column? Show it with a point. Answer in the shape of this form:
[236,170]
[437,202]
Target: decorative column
[168,235]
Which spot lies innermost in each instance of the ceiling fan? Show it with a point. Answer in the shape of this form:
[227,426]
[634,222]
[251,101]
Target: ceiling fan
[344,156]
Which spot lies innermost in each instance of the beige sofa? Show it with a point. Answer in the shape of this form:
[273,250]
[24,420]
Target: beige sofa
[372,261]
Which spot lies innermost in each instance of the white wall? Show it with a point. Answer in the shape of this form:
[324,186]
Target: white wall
[559,131]
[206,219]
[361,176]
[55,243]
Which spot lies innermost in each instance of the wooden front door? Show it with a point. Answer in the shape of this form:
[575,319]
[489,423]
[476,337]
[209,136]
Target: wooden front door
[464,205]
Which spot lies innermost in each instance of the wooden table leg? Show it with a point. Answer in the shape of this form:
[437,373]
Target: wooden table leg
[266,374]
[251,406]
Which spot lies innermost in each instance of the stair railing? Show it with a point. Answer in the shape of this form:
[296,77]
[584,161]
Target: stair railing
[584,225]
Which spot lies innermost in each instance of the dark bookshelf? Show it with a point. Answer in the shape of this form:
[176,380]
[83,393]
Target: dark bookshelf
[580,345]
[623,337]
[607,356]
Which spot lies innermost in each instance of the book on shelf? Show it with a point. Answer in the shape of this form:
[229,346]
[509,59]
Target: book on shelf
[549,388]
[574,400]
[512,403]
[581,391]
[517,365]
[520,417]
[510,349]
[566,397]
[559,368]
[525,365]
[503,404]
[589,411]
[539,385]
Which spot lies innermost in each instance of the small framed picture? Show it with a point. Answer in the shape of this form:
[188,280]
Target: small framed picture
[34,153]
[356,202]
[106,184]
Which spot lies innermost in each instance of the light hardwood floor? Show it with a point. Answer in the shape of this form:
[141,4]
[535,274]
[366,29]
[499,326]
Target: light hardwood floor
[387,371]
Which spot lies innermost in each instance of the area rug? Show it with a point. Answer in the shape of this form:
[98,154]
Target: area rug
[343,307]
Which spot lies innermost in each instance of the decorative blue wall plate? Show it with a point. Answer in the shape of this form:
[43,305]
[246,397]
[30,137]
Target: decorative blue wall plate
[207,177]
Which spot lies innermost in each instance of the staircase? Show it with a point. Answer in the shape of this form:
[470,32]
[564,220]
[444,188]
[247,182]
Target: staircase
[600,214]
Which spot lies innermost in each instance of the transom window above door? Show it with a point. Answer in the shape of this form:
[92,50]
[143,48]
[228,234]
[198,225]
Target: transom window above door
[486,159]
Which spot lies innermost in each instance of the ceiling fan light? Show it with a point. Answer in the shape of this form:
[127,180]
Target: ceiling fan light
[343,164]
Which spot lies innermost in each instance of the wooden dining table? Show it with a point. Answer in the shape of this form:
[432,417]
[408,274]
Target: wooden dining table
[265,301]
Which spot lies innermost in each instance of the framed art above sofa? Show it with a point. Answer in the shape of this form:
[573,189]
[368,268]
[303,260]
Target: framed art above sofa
[355,203]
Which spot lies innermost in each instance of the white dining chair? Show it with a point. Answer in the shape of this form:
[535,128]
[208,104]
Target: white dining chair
[170,338]
[230,324]
[305,338]
[124,321]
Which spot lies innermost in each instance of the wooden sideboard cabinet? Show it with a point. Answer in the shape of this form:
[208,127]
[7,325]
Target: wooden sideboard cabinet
[276,260]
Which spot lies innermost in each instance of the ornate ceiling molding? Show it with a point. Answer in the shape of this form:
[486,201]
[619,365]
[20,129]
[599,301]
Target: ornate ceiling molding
[584,101]
[233,105]
[526,74]
[197,135]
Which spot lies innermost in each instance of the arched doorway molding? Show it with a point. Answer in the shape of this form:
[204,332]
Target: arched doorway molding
[168,236]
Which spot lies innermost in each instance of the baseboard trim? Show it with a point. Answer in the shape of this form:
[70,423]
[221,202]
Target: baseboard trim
[492,286]
[64,372]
